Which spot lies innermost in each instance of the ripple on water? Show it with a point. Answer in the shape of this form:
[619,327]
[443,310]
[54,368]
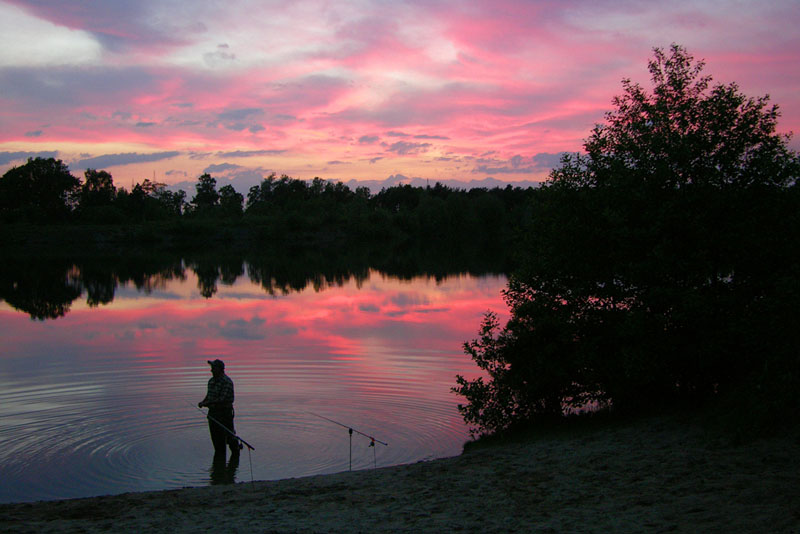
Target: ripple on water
[108,433]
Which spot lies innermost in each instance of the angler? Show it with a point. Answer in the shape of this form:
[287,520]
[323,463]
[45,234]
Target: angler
[219,400]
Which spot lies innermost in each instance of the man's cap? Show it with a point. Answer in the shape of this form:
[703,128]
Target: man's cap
[217,363]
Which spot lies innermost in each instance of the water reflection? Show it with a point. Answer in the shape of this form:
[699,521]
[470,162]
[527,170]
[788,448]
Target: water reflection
[103,399]
[223,472]
[47,288]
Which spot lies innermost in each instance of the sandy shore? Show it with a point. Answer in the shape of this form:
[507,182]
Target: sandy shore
[656,475]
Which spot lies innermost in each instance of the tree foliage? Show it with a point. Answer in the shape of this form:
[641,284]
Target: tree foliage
[207,197]
[40,190]
[659,267]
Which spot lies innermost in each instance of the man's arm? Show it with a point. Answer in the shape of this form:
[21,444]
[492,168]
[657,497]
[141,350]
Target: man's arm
[219,392]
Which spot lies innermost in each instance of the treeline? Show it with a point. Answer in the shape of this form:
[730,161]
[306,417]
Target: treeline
[43,191]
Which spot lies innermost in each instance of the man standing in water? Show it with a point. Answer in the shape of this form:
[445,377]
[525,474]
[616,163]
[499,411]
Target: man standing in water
[219,401]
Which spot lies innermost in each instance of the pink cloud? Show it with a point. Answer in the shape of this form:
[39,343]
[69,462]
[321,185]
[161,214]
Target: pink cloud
[317,79]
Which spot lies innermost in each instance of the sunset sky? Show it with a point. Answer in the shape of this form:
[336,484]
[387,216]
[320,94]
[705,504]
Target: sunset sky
[354,90]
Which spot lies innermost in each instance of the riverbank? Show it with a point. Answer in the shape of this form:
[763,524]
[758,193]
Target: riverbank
[663,474]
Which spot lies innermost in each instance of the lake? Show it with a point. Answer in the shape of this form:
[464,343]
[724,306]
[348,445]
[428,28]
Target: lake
[101,371]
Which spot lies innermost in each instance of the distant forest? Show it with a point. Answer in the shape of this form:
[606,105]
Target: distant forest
[45,192]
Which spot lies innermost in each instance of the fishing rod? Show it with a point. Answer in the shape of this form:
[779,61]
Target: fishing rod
[350,430]
[225,428]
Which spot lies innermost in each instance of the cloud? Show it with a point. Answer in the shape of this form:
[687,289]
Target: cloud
[404,148]
[239,119]
[242,329]
[249,153]
[119,26]
[66,88]
[113,160]
[221,167]
[499,78]
[9,157]
[27,40]
[221,56]
[518,164]
[239,114]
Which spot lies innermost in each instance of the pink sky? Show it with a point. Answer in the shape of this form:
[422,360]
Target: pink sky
[363,90]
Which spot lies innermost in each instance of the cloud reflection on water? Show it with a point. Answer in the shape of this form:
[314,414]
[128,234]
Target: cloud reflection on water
[378,352]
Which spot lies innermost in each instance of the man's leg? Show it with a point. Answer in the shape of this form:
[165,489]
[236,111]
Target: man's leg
[217,438]
[233,443]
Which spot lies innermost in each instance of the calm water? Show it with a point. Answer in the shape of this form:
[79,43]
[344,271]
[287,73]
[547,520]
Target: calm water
[102,398]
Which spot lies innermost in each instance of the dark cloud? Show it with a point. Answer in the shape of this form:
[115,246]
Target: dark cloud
[143,124]
[548,160]
[543,161]
[431,137]
[368,139]
[404,148]
[239,119]
[9,157]
[68,88]
[35,133]
[117,25]
[249,153]
[337,162]
[220,56]
[238,114]
[406,300]
[396,134]
[222,167]
[282,118]
[113,160]
[241,329]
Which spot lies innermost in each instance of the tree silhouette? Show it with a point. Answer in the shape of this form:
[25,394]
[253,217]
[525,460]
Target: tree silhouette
[230,201]
[41,190]
[207,197]
[655,265]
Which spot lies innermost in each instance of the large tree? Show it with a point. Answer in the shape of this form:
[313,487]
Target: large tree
[207,197]
[41,190]
[98,189]
[658,267]
[230,201]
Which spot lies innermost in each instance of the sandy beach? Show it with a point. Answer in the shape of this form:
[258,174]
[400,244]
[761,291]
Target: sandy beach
[663,474]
